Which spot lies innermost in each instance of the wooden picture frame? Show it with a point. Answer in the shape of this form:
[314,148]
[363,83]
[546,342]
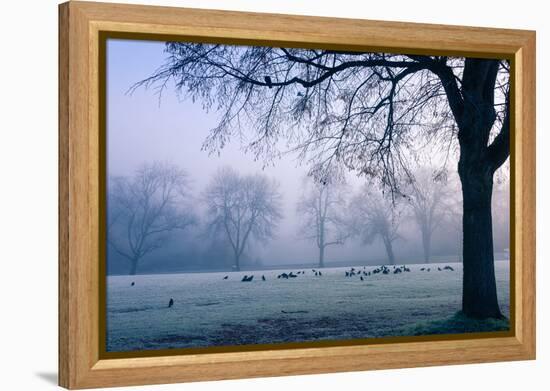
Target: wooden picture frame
[80,165]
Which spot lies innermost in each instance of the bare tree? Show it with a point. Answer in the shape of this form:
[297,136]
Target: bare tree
[501,211]
[362,111]
[242,208]
[376,215]
[322,207]
[144,209]
[453,214]
[428,196]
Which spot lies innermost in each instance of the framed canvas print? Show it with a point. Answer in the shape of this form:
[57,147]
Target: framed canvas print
[247,195]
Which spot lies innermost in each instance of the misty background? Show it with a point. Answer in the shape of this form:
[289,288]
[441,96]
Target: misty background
[145,127]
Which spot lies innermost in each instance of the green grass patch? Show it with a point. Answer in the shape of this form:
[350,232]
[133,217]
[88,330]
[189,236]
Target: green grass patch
[456,324]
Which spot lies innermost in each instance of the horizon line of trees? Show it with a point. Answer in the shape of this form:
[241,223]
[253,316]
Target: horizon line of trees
[145,210]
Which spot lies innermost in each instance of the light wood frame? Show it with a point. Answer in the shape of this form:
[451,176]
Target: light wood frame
[80,365]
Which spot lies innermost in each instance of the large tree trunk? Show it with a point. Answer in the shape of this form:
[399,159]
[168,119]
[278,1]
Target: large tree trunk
[479,296]
[389,251]
[474,111]
[321,256]
[133,266]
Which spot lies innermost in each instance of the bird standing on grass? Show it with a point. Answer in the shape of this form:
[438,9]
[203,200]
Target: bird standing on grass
[171,303]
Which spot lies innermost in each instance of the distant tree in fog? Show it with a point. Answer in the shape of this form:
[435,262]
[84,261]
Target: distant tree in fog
[145,208]
[242,208]
[453,216]
[501,210]
[375,214]
[322,208]
[427,193]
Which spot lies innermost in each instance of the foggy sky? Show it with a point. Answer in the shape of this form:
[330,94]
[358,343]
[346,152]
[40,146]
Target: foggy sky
[143,127]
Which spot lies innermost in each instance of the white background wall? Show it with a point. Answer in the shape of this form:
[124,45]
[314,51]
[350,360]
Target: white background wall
[28,195]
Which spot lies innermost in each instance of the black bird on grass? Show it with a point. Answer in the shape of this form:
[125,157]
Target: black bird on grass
[171,303]
[133,283]
[263,278]
[362,278]
[226,277]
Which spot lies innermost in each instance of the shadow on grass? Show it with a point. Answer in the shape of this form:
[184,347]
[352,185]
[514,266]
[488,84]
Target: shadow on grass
[456,324]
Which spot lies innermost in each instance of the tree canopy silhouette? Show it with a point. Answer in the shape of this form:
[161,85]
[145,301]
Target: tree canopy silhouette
[242,209]
[429,198]
[322,211]
[375,215]
[367,112]
[146,208]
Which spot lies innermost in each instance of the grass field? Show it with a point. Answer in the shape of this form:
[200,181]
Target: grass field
[211,311]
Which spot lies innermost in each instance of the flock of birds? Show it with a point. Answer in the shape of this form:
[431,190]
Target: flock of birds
[352,272]
[286,276]
[381,269]
[361,273]
[438,269]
